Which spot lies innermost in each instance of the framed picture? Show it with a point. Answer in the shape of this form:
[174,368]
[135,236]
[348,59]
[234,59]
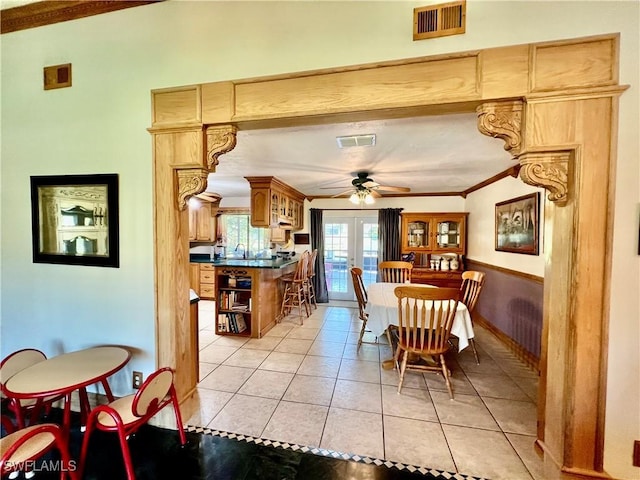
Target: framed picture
[74,219]
[517,224]
[301,238]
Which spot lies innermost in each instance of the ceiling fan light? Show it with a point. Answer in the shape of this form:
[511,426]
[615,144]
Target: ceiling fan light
[354,198]
[368,198]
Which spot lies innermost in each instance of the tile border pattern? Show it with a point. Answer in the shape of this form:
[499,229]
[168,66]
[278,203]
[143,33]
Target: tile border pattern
[433,473]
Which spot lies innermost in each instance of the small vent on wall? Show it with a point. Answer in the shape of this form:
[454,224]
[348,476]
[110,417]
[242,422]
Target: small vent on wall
[439,20]
[57,76]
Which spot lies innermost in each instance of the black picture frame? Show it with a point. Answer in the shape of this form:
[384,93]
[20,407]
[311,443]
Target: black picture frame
[518,224]
[74,219]
[301,238]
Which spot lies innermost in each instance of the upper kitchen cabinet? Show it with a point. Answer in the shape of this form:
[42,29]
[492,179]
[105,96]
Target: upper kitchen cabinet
[275,204]
[202,221]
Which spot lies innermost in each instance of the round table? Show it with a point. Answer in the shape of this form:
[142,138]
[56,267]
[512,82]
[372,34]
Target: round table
[63,374]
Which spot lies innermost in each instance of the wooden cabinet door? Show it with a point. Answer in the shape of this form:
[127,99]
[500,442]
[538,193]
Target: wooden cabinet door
[203,223]
[260,207]
[416,233]
[194,277]
[449,233]
[193,214]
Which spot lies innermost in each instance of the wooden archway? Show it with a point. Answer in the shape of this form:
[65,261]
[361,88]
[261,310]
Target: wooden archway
[555,106]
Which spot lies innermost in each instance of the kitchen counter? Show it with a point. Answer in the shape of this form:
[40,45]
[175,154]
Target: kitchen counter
[239,262]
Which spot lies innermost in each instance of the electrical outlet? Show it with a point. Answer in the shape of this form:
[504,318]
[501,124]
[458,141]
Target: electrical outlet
[137,379]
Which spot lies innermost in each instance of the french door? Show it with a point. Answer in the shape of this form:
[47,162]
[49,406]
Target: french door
[349,241]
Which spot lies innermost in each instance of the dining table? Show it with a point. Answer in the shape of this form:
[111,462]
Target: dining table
[63,374]
[382,308]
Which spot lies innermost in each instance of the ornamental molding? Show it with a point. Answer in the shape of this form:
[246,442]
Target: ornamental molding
[502,120]
[191,181]
[220,140]
[549,170]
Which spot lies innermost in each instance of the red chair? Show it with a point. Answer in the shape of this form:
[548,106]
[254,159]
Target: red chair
[21,448]
[13,364]
[127,414]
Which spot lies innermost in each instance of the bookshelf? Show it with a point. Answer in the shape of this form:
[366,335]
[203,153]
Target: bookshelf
[234,301]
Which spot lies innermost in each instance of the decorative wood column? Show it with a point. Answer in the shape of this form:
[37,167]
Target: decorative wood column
[571,164]
[183,159]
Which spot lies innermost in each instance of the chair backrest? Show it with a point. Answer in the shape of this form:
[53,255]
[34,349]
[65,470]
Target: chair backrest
[152,392]
[300,274]
[361,292]
[395,271]
[18,361]
[470,288]
[311,266]
[425,317]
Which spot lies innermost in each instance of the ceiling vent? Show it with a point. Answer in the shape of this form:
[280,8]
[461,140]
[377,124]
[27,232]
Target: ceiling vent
[439,20]
[368,140]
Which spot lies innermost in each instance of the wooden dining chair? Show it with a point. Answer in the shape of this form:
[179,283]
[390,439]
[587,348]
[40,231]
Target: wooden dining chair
[395,271]
[425,317]
[472,283]
[294,294]
[12,364]
[19,449]
[361,297]
[126,415]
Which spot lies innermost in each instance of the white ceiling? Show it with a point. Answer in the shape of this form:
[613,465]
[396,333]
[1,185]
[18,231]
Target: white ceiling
[428,154]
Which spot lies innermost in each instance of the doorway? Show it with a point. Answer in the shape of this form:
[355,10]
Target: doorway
[349,241]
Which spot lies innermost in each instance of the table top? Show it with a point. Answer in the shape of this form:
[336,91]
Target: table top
[382,307]
[67,372]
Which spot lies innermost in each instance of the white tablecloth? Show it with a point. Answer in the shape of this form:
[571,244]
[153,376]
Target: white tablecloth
[382,308]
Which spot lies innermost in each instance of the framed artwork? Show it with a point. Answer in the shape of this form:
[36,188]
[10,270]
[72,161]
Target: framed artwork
[301,238]
[74,219]
[517,224]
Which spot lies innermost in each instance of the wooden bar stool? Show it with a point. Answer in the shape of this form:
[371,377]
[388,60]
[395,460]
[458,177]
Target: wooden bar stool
[311,272]
[294,290]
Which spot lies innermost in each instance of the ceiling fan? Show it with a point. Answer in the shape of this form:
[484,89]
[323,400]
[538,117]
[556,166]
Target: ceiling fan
[364,189]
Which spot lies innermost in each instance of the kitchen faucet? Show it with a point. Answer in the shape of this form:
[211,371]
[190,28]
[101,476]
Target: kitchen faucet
[244,250]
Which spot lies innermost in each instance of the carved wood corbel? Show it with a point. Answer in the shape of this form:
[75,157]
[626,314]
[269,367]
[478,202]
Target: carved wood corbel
[502,120]
[549,170]
[191,181]
[220,139]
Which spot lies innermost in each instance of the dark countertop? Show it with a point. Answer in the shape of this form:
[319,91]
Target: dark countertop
[239,262]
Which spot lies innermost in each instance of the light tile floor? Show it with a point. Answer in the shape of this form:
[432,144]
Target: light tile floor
[308,385]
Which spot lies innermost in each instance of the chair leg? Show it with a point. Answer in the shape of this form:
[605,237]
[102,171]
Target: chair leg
[445,372]
[126,455]
[362,330]
[475,352]
[403,369]
[67,468]
[176,410]
[85,445]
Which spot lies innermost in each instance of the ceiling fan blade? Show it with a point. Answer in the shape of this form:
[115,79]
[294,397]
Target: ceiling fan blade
[375,194]
[369,184]
[350,191]
[389,188]
[334,188]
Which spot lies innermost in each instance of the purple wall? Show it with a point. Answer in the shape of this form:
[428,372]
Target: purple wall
[513,304]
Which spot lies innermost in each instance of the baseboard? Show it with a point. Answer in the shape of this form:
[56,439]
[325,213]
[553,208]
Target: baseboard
[518,350]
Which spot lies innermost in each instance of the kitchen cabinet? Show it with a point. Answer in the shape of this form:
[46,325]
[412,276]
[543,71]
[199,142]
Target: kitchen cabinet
[432,236]
[202,222]
[202,280]
[275,204]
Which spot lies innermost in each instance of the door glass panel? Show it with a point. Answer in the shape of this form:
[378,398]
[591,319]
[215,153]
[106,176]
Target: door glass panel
[448,234]
[336,253]
[418,233]
[349,242]
[369,252]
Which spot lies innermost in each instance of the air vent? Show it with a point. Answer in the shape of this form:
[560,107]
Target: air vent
[368,140]
[439,20]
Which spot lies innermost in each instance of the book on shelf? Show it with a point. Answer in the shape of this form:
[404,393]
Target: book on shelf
[241,324]
[223,323]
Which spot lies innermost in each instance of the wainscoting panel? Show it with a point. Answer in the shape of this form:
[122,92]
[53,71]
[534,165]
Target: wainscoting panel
[510,305]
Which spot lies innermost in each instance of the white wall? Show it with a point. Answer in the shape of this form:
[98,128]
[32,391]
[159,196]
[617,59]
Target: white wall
[99,125]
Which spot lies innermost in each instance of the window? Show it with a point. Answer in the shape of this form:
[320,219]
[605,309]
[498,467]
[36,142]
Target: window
[237,233]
